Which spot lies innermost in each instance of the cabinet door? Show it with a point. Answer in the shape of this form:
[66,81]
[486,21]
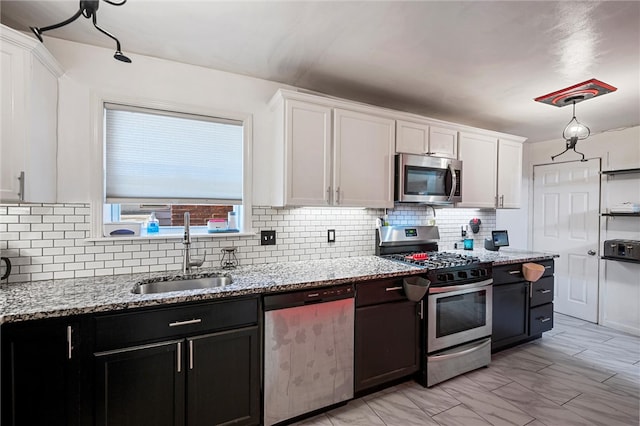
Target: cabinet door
[140,386]
[479,170]
[40,374]
[308,154]
[510,314]
[386,343]
[223,383]
[363,160]
[412,138]
[509,174]
[14,63]
[443,142]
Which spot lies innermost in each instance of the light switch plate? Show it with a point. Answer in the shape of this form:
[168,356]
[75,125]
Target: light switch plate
[331,235]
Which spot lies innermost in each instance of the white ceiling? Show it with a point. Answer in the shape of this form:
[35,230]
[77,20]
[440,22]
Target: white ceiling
[479,63]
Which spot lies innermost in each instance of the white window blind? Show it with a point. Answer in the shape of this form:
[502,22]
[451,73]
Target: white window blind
[159,156]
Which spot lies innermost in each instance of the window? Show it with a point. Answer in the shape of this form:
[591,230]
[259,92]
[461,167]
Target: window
[168,163]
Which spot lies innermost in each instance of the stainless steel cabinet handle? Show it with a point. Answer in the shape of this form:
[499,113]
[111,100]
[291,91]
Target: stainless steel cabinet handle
[547,267]
[591,252]
[514,272]
[21,193]
[190,354]
[454,181]
[542,319]
[496,202]
[544,291]
[338,195]
[329,195]
[69,343]
[502,201]
[187,322]
[421,309]
[393,288]
[179,356]
[530,284]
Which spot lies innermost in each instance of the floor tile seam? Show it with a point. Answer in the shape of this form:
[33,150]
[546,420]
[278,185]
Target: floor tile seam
[376,413]
[425,412]
[462,404]
[538,393]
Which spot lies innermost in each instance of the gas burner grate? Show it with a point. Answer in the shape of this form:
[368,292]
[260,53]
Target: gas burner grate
[434,260]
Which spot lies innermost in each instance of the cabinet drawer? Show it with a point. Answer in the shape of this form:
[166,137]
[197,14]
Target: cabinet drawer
[540,319]
[382,291]
[512,273]
[542,291]
[126,329]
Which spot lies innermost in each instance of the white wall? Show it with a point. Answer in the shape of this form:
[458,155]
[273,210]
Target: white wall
[91,72]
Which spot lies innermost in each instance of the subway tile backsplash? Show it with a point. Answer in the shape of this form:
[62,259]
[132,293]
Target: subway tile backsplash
[49,241]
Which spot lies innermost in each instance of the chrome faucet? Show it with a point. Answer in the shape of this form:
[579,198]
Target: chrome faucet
[187,262]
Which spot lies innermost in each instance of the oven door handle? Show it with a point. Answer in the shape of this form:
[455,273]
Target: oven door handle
[435,290]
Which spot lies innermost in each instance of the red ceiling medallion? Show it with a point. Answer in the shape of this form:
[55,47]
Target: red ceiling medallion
[578,93]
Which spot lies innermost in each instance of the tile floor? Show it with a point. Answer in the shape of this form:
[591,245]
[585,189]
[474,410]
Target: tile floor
[578,373]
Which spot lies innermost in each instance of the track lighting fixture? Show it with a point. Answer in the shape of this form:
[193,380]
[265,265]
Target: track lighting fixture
[88,9]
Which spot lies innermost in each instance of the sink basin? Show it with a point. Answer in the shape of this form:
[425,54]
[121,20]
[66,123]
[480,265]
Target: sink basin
[181,284]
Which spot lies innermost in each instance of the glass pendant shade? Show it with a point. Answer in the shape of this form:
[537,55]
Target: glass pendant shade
[575,130]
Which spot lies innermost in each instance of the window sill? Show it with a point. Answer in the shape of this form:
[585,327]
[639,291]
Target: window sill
[195,235]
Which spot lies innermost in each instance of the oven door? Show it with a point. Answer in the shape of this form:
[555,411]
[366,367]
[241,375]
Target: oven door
[458,314]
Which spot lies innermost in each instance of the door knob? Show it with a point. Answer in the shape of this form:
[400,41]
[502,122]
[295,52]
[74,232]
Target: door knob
[591,253]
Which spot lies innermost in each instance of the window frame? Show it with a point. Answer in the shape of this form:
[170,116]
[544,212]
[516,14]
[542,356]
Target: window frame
[97,162]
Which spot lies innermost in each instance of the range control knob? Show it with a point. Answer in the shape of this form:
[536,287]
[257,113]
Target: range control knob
[442,277]
[450,277]
[475,272]
[462,274]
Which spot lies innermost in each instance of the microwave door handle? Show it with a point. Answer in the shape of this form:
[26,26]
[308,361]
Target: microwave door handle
[454,181]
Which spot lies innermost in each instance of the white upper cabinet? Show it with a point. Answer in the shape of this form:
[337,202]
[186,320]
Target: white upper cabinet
[491,171]
[363,159]
[330,156]
[28,144]
[479,155]
[425,139]
[509,174]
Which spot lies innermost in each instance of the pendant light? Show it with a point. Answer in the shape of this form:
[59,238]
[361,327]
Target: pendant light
[88,9]
[575,131]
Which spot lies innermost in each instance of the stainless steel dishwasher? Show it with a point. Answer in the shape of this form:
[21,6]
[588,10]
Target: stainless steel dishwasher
[308,351]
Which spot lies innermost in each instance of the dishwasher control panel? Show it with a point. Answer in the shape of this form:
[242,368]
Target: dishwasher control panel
[303,297]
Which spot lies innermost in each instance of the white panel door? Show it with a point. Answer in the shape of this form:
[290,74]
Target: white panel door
[308,151]
[363,160]
[566,221]
[479,155]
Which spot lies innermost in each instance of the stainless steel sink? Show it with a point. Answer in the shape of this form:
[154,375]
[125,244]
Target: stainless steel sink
[177,284]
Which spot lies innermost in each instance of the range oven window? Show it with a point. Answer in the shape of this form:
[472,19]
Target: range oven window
[424,181]
[462,312]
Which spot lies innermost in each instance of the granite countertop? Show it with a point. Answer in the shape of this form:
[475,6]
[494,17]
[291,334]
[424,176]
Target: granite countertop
[58,298]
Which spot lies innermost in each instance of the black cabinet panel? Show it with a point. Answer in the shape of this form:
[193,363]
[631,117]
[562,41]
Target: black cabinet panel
[541,319]
[380,291]
[145,326]
[223,380]
[40,373]
[386,343]
[513,273]
[510,314]
[141,386]
[542,291]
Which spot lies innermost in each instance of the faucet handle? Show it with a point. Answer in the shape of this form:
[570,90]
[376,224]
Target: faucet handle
[198,262]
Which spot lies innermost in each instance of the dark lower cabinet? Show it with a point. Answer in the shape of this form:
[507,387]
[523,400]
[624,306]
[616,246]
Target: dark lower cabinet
[510,314]
[522,310]
[40,373]
[140,386]
[387,328]
[196,364]
[223,383]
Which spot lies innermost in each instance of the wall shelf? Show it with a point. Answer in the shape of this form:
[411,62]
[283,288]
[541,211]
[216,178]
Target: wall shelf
[622,214]
[617,259]
[620,171]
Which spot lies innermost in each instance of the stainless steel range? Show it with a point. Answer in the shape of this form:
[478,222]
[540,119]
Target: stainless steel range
[456,331]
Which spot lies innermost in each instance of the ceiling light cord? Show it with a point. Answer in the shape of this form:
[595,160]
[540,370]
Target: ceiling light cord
[88,9]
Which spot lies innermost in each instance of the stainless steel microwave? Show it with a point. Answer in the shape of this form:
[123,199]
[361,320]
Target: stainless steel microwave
[427,180]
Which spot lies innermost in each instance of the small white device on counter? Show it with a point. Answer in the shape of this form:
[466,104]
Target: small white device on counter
[232,219]
[498,239]
[215,225]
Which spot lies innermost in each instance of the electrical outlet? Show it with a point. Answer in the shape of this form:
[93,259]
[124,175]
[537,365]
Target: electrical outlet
[331,235]
[267,238]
